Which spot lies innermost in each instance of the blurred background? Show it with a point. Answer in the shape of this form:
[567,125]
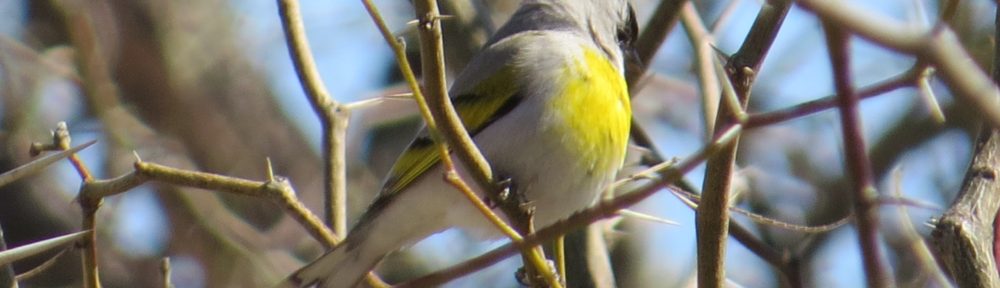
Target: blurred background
[208,85]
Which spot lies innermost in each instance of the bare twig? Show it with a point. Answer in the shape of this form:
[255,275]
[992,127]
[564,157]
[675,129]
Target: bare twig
[165,272]
[42,267]
[653,34]
[701,39]
[858,165]
[938,46]
[278,190]
[906,79]
[333,117]
[959,234]
[914,242]
[713,213]
[7,277]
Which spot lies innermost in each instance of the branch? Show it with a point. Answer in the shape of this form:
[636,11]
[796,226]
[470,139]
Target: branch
[960,235]
[333,117]
[858,164]
[939,47]
[653,34]
[713,213]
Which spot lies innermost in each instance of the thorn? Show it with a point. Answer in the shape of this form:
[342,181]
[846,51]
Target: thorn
[647,217]
[270,170]
[719,53]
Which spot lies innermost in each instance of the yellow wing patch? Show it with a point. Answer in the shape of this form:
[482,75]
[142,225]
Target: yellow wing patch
[490,100]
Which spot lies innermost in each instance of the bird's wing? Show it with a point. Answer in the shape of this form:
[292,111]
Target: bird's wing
[489,100]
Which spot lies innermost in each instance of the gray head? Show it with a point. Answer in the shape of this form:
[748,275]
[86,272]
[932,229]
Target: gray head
[610,23]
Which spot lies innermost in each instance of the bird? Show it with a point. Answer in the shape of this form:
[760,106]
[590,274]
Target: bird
[545,101]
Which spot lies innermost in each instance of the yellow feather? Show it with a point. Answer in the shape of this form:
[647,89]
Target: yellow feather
[594,110]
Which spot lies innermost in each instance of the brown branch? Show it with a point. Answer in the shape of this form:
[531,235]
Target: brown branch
[165,271]
[61,140]
[713,214]
[858,164]
[699,34]
[7,277]
[653,34]
[939,47]
[906,79]
[960,235]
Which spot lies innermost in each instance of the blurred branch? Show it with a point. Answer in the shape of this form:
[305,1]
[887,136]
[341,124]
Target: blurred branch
[651,39]
[165,269]
[196,89]
[914,243]
[903,80]
[6,270]
[702,42]
[468,27]
[959,235]
[939,47]
[858,164]
[42,267]
[653,34]
[713,214]
[333,117]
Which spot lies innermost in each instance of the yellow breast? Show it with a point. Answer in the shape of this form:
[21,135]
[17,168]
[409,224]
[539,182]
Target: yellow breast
[593,111]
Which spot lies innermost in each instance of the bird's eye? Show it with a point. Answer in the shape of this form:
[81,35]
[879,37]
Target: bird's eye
[628,31]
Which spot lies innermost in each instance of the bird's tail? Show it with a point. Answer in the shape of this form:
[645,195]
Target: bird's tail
[365,246]
[342,267]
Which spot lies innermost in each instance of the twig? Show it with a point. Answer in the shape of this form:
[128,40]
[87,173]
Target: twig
[914,242]
[701,39]
[7,277]
[938,46]
[41,267]
[959,234]
[333,117]
[653,34]
[713,213]
[165,272]
[906,79]
[856,158]
[278,190]
[61,140]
